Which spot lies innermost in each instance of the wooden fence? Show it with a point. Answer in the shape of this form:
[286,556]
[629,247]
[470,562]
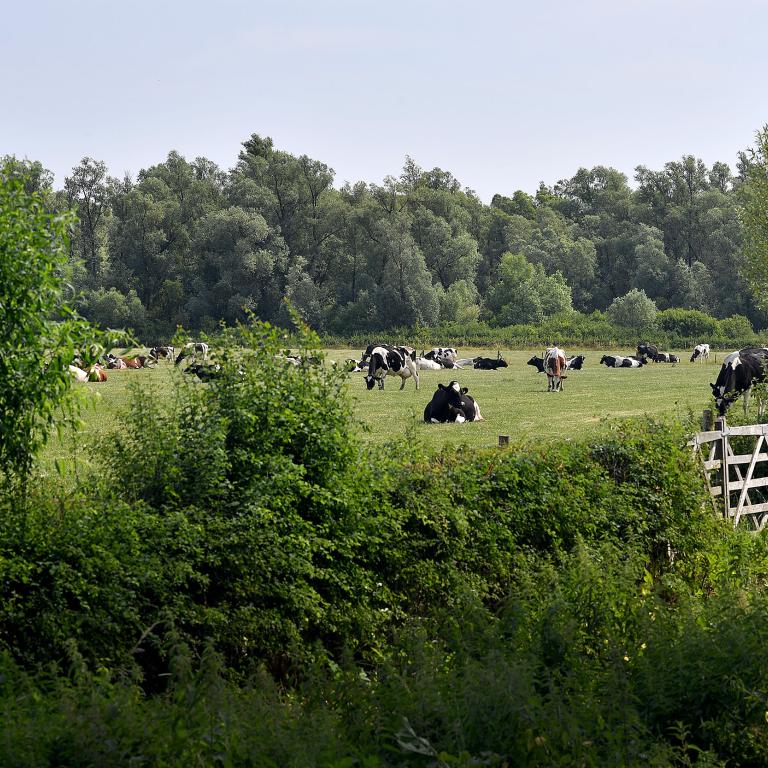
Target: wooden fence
[731,476]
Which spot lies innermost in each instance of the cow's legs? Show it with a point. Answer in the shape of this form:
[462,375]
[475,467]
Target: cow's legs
[402,383]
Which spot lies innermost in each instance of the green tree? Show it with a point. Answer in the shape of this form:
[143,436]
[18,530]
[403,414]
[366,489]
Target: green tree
[754,215]
[39,332]
[633,310]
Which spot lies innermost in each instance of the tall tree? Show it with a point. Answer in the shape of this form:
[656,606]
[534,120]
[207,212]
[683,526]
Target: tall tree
[754,215]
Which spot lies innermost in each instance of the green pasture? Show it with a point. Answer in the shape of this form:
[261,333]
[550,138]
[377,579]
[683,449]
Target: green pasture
[514,401]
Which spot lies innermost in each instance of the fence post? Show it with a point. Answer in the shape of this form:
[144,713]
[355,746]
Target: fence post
[721,426]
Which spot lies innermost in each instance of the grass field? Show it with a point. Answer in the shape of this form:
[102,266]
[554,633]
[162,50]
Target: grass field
[513,400]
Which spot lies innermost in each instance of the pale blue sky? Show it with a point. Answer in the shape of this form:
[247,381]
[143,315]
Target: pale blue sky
[502,94]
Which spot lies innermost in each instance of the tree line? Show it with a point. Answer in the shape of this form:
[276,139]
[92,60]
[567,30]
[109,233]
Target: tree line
[187,243]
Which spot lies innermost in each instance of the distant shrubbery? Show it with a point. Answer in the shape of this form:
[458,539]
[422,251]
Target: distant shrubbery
[673,329]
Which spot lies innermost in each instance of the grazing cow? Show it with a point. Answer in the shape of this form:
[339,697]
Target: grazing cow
[700,352]
[385,359]
[575,363]
[644,349]
[451,404]
[193,349]
[162,353]
[739,371]
[488,363]
[554,363]
[537,363]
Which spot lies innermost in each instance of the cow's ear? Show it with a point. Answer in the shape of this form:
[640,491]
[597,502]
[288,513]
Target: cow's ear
[464,390]
[440,386]
[713,387]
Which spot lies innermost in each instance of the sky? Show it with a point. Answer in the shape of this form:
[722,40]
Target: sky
[503,95]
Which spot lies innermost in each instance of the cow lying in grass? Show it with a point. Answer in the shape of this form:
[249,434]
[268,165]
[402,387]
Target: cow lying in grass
[451,404]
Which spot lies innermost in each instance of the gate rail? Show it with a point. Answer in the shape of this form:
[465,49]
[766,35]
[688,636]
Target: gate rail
[728,485]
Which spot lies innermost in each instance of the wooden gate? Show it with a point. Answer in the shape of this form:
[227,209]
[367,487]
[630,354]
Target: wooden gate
[731,476]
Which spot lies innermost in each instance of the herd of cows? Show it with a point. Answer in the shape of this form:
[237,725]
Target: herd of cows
[739,372]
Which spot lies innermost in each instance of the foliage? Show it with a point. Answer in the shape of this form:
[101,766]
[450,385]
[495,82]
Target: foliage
[753,195]
[633,310]
[39,331]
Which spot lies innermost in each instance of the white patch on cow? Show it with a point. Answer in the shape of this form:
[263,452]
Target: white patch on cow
[455,386]
[460,419]
[478,415]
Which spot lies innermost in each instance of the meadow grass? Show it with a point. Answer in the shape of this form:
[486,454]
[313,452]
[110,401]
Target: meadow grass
[514,401]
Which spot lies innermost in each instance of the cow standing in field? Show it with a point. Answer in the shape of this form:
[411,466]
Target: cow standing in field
[554,363]
[739,372]
[384,359]
[451,404]
[162,353]
[644,349]
[701,353]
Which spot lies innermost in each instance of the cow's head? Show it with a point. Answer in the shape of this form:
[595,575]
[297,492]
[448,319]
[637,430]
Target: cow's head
[370,381]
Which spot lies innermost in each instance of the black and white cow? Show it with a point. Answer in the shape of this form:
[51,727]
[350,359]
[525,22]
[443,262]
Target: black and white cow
[700,352]
[440,353]
[644,349]
[451,404]
[739,371]
[384,359]
[537,363]
[621,361]
[162,353]
[427,364]
[488,363]
[666,357]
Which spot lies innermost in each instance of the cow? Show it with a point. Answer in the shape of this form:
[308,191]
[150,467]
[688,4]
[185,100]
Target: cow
[451,404]
[631,362]
[115,363]
[384,359]
[488,363]
[162,353]
[140,361]
[700,352]
[575,363]
[666,357]
[428,364]
[644,349]
[739,372]
[613,361]
[78,374]
[193,349]
[537,363]
[96,373]
[441,353]
[204,371]
[554,363]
